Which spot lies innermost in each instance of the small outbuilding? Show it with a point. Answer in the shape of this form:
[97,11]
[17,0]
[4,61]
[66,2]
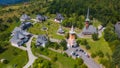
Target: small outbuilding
[59,18]
[19,37]
[24,18]
[41,40]
[40,18]
[60,30]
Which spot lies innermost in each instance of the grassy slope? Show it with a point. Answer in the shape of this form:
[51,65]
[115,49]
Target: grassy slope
[20,59]
[101,45]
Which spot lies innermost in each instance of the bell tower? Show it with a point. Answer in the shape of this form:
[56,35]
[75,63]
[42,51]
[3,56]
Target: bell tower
[71,40]
[87,20]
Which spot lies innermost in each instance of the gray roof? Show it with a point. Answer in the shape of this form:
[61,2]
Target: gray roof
[24,17]
[60,30]
[41,40]
[25,25]
[117,28]
[90,30]
[19,36]
[41,18]
[59,17]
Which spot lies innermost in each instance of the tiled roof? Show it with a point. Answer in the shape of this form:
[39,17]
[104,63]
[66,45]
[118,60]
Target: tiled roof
[90,30]
[41,18]
[59,16]
[41,39]
[25,25]
[24,17]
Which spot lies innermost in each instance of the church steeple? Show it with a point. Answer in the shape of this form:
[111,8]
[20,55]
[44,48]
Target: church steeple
[87,17]
[72,30]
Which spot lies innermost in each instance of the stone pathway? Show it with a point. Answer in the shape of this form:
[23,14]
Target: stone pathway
[43,56]
[31,57]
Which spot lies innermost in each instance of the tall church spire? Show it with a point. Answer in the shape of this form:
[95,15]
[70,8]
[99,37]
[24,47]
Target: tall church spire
[87,17]
[72,30]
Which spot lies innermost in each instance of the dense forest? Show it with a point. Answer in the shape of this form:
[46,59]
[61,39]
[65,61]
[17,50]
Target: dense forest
[106,11]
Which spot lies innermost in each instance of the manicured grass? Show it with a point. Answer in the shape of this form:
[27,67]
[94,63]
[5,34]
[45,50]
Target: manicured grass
[100,45]
[14,56]
[52,29]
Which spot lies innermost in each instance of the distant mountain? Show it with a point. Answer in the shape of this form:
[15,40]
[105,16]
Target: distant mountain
[8,2]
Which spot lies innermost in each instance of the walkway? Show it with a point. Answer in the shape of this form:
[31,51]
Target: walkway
[43,56]
[58,51]
[31,57]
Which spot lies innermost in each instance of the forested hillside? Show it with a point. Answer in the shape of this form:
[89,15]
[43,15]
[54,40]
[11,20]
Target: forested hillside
[104,10]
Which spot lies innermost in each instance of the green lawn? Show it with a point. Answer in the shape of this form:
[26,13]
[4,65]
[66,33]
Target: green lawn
[62,61]
[100,45]
[14,56]
[52,29]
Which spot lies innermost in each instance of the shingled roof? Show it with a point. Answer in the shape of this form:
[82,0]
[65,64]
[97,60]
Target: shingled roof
[59,17]
[19,36]
[40,18]
[41,40]
[24,17]
[90,30]
[60,30]
[25,25]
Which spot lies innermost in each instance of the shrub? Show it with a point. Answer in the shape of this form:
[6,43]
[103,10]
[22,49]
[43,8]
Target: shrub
[41,48]
[79,61]
[93,55]
[15,53]
[100,54]
[65,54]
[54,58]
[88,47]
[5,61]
[84,42]
[95,36]
[83,66]
[78,41]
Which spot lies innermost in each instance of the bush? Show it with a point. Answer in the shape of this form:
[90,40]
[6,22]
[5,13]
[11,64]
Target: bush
[5,61]
[95,36]
[93,55]
[88,47]
[78,41]
[84,42]
[63,44]
[41,48]
[79,61]
[15,53]
[54,58]
[103,61]
[83,66]
[100,54]
[65,54]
